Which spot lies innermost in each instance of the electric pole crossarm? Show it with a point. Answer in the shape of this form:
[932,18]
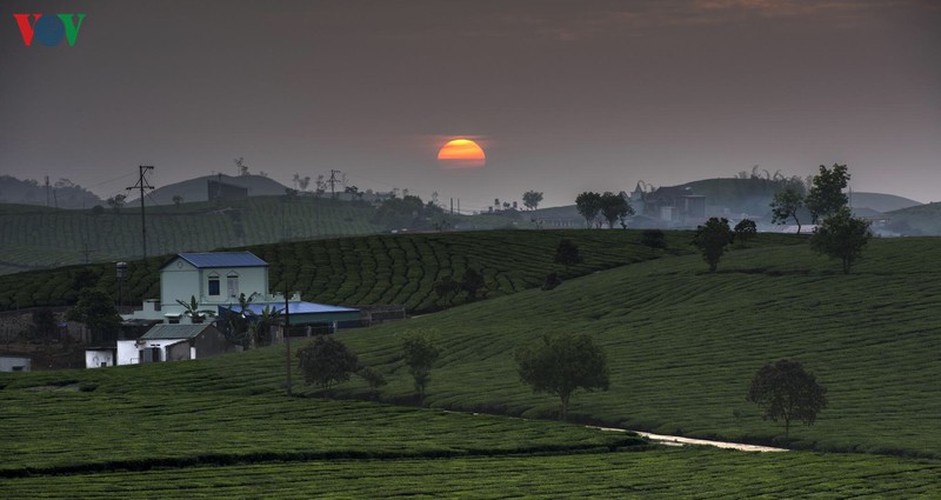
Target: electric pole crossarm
[142,184]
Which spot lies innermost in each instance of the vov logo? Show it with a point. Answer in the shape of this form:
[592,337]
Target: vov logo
[49,30]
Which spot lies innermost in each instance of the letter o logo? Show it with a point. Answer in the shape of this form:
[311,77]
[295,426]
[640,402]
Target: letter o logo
[49,31]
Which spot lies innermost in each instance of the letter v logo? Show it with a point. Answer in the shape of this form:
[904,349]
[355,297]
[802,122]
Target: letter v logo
[71,27]
[22,20]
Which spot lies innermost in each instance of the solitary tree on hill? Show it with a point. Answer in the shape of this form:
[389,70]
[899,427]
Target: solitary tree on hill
[326,361]
[566,253]
[472,282]
[614,207]
[532,199]
[826,195]
[177,200]
[588,205]
[712,239]
[842,236]
[785,391]
[420,354]
[653,238]
[785,205]
[561,364]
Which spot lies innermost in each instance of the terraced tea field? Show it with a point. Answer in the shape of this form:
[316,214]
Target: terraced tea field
[683,345]
[378,269]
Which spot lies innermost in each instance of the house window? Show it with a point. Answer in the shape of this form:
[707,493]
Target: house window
[213,286]
[232,285]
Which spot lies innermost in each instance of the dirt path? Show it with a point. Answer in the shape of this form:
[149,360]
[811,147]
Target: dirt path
[683,441]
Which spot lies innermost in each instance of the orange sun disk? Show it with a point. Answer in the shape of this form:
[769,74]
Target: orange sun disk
[461,153]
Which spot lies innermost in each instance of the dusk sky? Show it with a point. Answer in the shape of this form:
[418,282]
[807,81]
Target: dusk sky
[564,96]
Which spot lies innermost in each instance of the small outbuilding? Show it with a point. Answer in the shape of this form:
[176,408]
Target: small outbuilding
[15,363]
[174,342]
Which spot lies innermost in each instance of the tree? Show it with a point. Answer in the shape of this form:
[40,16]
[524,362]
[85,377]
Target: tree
[192,310]
[566,253]
[95,308]
[744,230]
[177,200]
[116,202]
[785,205]
[560,364]
[472,282]
[261,324]
[842,236]
[237,327]
[653,238]
[326,361]
[532,199]
[614,207]
[588,205]
[712,239]
[785,391]
[446,288]
[420,353]
[374,379]
[826,195]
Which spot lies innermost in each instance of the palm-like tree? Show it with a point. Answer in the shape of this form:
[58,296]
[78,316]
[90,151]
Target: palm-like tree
[262,323]
[192,310]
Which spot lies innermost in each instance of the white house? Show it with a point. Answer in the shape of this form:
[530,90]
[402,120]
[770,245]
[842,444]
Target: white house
[214,279]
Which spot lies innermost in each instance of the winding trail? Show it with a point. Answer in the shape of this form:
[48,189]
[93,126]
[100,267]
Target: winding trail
[683,441]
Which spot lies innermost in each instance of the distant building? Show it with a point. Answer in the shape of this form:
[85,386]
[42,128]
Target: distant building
[672,205]
[168,342]
[15,363]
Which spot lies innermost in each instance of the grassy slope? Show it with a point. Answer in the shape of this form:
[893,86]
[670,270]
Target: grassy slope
[684,344]
[379,269]
[922,219]
[228,410]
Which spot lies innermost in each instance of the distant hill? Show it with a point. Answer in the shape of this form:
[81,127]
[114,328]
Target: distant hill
[195,190]
[920,220]
[881,202]
[62,193]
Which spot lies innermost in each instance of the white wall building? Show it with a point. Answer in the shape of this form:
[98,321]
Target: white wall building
[214,279]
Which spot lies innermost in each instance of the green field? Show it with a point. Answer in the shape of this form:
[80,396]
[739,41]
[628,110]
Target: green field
[223,428]
[664,473]
[684,344]
[378,269]
[40,237]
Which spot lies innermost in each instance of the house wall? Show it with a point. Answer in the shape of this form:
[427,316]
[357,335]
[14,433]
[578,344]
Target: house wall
[211,342]
[179,351]
[15,364]
[95,358]
[178,280]
[128,353]
[250,280]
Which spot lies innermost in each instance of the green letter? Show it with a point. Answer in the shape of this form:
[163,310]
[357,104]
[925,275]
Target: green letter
[71,29]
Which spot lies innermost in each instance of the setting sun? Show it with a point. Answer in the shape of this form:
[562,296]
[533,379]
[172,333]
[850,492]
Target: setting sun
[461,153]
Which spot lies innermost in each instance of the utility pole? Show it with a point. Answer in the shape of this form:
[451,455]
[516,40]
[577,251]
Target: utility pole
[287,339]
[142,185]
[333,181]
[47,190]
[452,206]
[459,206]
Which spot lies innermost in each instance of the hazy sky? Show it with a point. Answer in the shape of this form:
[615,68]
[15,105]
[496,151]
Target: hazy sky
[565,96]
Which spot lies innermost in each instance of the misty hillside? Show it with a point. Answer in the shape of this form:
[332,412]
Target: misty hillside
[920,220]
[62,193]
[881,202]
[197,189]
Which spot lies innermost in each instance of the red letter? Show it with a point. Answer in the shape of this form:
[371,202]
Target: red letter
[25,28]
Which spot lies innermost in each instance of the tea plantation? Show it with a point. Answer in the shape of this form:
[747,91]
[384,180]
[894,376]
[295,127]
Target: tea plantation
[684,343]
[378,269]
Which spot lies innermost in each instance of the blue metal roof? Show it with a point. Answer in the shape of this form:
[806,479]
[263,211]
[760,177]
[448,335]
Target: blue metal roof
[293,308]
[223,259]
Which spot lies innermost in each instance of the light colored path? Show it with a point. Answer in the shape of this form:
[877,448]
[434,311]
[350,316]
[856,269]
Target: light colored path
[683,441]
